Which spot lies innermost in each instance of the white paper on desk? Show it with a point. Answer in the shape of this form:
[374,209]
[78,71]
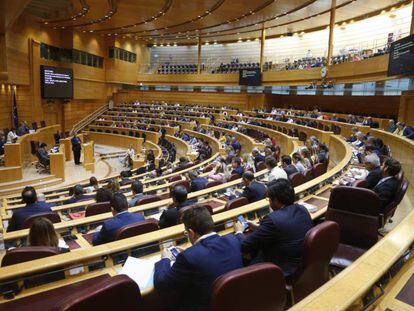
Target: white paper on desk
[311,208]
[141,271]
[156,216]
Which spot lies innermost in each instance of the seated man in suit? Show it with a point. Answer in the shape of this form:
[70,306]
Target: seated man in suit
[33,207]
[287,165]
[275,171]
[196,182]
[78,195]
[372,164]
[122,217]
[280,236]
[137,189]
[170,216]
[257,157]
[42,154]
[391,127]
[197,267]
[388,185]
[253,190]
[237,168]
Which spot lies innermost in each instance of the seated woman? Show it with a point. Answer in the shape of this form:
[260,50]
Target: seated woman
[307,158]
[218,173]
[113,185]
[42,233]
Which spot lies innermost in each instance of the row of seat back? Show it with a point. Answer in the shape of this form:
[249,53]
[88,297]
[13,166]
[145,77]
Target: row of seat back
[317,170]
[227,290]
[356,210]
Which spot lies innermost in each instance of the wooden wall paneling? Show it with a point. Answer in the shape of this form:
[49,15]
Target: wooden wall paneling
[406,111]
[237,100]
[121,141]
[385,106]
[5,106]
[8,174]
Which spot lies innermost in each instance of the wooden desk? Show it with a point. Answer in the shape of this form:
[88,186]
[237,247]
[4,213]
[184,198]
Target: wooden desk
[57,165]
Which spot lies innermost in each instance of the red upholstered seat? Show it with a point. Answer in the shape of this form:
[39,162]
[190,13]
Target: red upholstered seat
[27,253]
[260,166]
[53,217]
[297,179]
[97,208]
[184,183]
[235,203]
[308,174]
[356,210]
[213,183]
[234,177]
[257,287]
[147,199]
[186,208]
[390,209]
[319,169]
[138,228]
[208,168]
[115,293]
[174,178]
[320,244]
[360,183]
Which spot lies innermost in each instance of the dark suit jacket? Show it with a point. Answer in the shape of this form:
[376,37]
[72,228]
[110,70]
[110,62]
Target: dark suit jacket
[290,169]
[170,216]
[279,238]
[373,178]
[198,183]
[239,170]
[76,143]
[21,214]
[77,199]
[254,192]
[111,226]
[258,158]
[386,192]
[196,269]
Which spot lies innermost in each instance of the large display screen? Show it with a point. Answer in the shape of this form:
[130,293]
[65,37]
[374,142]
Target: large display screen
[56,82]
[401,60]
[250,77]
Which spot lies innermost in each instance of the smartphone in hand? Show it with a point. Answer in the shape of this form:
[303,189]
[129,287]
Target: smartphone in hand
[243,221]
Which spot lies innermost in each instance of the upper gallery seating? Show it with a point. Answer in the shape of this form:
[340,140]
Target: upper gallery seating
[235,66]
[174,68]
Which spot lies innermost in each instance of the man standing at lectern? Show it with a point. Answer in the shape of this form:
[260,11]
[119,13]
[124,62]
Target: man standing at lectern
[76,148]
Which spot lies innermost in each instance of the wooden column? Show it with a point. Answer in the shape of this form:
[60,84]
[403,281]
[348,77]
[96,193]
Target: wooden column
[412,21]
[262,47]
[331,30]
[199,55]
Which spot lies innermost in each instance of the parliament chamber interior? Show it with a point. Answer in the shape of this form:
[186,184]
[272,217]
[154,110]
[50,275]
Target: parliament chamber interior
[206,155]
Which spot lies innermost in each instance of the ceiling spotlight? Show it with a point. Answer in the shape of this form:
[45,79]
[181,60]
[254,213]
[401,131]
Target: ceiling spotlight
[175,43]
[215,42]
[240,40]
[206,43]
[168,44]
[155,45]
[46,23]
[257,39]
[248,40]
[90,30]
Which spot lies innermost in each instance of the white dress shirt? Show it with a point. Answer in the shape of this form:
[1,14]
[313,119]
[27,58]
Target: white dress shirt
[277,173]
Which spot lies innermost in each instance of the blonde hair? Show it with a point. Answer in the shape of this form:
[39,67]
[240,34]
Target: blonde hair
[42,233]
